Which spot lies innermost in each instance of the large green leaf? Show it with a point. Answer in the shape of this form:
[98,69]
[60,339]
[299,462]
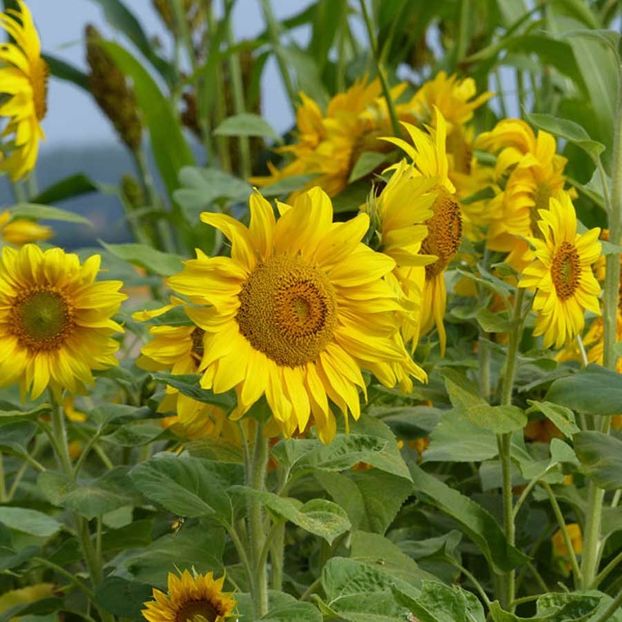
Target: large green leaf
[578,391]
[246,124]
[189,385]
[164,264]
[66,188]
[121,597]
[476,522]
[601,457]
[45,212]
[170,149]
[65,71]
[29,521]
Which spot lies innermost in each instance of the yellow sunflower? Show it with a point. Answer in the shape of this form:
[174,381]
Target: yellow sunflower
[55,319]
[531,172]
[190,596]
[561,272]
[296,312]
[179,350]
[23,78]
[21,231]
[429,158]
[399,213]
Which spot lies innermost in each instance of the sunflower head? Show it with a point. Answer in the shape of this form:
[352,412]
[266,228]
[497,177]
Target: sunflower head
[296,312]
[190,598]
[55,319]
[23,78]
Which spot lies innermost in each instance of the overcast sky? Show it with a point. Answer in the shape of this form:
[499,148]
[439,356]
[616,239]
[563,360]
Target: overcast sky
[73,118]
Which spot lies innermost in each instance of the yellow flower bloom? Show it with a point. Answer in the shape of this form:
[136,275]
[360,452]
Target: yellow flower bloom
[295,312]
[179,350]
[429,158]
[400,213]
[21,231]
[190,596]
[560,550]
[23,77]
[534,173]
[562,274]
[55,324]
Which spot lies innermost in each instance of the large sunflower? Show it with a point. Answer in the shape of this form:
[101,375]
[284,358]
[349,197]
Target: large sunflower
[190,596]
[429,158]
[179,349]
[562,274]
[23,77]
[296,312]
[55,319]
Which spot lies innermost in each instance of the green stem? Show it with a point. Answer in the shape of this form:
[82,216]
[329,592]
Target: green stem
[3,494]
[504,442]
[68,575]
[592,545]
[608,569]
[19,192]
[476,584]
[386,91]
[564,531]
[274,34]
[277,553]
[256,533]
[605,616]
[311,589]
[59,432]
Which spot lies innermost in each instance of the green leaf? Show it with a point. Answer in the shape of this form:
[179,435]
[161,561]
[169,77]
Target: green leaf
[171,152]
[246,124]
[562,417]
[462,393]
[476,522]
[29,521]
[371,498]
[498,419]
[12,416]
[286,186]
[135,434]
[569,130]
[578,390]
[493,322]
[293,612]
[121,597]
[64,71]
[185,486]
[601,457]
[201,187]
[164,264]
[318,516]
[66,188]
[367,163]
[188,384]
[45,212]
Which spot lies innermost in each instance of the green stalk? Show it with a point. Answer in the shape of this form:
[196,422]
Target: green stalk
[592,547]
[608,569]
[237,87]
[386,91]
[256,534]
[605,616]
[504,442]
[274,32]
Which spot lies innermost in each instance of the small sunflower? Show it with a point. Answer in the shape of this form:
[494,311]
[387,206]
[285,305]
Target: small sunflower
[179,349]
[429,159]
[562,274]
[22,231]
[23,77]
[296,312]
[55,319]
[190,596]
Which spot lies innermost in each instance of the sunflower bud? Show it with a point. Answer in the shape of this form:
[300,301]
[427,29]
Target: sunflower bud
[111,91]
[132,191]
[193,10]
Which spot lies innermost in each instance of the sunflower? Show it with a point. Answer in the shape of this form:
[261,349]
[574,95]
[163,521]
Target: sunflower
[562,274]
[190,596]
[179,349]
[399,213]
[23,77]
[429,158]
[531,172]
[21,231]
[296,312]
[55,319]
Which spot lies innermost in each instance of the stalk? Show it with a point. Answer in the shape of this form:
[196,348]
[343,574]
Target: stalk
[592,543]
[386,91]
[504,442]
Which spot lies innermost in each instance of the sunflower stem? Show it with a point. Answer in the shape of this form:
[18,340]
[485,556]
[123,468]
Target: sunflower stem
[504,442]
[593,543]
[613,607]
[256,534]
[382,74]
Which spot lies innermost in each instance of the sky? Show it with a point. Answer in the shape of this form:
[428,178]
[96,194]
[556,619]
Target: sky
[73,117]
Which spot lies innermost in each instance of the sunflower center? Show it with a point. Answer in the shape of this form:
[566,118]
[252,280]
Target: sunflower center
[41,319]
[287,310]
[39,82]
[444,234]
[196,352]
[191,611]
[566,270]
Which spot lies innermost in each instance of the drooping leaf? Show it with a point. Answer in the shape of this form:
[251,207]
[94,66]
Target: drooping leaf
[562,417]
[164,264]
[29,521]
[46,212]
[188,384]
[246,124]
[601,457]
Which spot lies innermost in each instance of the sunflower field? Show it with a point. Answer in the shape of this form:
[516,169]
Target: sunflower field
[367,369]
